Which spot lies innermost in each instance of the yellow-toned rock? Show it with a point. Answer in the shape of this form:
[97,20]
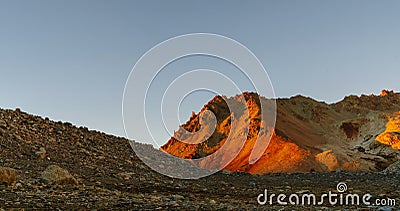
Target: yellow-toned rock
[328,159]
[391,136]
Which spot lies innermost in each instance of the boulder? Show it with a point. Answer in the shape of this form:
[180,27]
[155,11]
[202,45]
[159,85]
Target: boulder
[57,175]
[329,159]
[8,175]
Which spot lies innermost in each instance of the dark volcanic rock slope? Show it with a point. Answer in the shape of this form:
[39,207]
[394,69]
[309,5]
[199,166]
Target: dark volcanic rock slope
[31,143]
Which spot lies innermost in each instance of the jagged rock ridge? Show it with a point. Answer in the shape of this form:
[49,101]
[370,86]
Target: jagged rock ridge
[354,134]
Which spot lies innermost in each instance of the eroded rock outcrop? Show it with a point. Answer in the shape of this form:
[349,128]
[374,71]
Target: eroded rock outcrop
[391,136]
[308,135]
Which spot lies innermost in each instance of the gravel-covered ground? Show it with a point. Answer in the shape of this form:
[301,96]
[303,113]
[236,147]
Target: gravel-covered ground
[219,191]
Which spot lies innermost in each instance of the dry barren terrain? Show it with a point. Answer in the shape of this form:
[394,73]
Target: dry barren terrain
[55,165]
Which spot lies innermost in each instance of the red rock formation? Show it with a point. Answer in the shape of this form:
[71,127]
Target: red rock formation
[308,135]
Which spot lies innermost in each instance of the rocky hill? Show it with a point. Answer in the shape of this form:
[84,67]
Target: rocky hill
[355,134]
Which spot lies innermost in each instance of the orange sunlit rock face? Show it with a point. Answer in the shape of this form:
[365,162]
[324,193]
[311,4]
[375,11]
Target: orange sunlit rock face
[308,135]
[391,136]
[282,155]
[386,92]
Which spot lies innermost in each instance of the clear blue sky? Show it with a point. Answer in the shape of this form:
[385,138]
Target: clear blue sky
[69,60]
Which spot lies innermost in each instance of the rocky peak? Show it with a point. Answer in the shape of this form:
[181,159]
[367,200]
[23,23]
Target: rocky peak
[305,129]
[385,92]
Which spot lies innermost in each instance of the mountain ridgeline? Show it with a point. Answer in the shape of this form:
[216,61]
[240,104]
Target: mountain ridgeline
[359,133]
